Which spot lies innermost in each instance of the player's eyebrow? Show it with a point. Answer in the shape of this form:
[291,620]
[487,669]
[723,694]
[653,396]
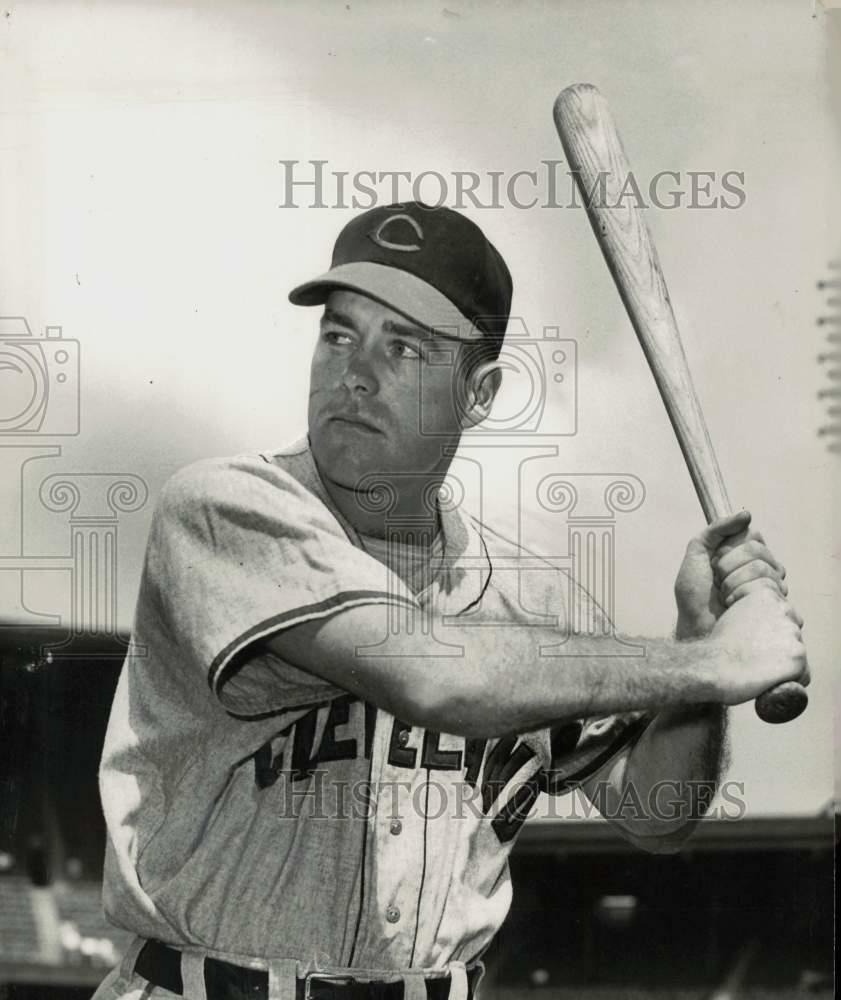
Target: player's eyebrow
[388,326]
[334,316]
[406,330]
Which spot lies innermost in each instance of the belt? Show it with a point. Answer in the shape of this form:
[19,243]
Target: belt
[161,965]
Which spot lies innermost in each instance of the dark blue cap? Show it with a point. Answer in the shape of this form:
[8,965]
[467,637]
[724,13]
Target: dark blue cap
[433,265]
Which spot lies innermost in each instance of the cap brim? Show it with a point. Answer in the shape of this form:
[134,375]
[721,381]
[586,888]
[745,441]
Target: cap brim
[402,291]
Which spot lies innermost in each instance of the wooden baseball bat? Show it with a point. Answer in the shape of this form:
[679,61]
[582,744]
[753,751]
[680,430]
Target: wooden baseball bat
[600,167]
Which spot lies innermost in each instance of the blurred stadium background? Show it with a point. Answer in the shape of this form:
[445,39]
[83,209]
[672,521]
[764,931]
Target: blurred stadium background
[746,911]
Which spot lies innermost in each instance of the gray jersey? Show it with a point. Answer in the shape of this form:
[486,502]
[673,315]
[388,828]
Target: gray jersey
[256,810]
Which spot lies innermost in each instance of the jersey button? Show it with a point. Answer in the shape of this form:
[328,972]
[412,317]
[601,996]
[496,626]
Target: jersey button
[396,827]
[403,737]
[392,914]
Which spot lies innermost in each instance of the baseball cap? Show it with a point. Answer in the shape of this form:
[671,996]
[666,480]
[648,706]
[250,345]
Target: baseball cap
[431,264]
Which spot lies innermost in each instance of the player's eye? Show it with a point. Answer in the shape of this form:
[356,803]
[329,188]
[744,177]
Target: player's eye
[406,351]
[337,337]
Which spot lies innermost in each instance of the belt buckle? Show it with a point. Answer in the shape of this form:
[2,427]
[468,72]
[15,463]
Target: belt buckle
[335,977]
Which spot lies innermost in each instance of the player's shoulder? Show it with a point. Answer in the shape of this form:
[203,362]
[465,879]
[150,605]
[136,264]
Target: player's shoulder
[236,478]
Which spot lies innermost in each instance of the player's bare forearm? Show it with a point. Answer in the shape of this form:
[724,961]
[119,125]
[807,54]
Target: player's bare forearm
[508,688]
[500,683]
[658,790]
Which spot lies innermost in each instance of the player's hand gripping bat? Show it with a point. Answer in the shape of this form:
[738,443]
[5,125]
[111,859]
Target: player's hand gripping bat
[598,162]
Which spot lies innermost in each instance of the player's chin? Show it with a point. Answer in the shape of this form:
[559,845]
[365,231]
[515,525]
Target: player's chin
[350,463]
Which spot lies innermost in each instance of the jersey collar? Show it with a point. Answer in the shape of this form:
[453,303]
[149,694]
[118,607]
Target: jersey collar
[466,569]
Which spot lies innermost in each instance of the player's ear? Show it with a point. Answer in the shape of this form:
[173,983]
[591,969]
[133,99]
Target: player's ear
[482,384]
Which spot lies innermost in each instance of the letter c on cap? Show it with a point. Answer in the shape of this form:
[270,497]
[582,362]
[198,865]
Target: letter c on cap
[387,244]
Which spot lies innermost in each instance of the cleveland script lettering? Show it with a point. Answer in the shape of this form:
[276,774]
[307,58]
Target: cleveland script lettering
[346,726]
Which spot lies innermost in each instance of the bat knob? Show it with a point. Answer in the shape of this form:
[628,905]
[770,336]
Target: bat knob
[782,703]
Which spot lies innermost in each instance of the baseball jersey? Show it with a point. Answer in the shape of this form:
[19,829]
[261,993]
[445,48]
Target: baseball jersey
[256,810]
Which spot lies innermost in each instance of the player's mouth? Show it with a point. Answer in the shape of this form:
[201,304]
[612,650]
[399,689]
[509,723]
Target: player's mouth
[356,423]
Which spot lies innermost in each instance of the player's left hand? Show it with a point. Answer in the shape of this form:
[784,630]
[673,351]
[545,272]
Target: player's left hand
[723,563]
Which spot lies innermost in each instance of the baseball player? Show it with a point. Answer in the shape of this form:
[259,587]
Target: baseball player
[336,716]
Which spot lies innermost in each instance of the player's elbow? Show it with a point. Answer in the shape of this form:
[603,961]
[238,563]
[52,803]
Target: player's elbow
[457,706]
[444,701]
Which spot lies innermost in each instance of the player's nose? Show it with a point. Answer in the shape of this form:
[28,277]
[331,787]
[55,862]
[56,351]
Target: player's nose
[360,376]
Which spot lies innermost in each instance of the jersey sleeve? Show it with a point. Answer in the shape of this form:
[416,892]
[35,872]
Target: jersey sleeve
[578,749]
[238,550]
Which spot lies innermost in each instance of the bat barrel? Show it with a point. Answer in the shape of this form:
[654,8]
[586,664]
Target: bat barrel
[595,154]
[605,181]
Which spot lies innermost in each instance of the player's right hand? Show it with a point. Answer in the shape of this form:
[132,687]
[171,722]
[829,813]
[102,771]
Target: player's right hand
[757,644]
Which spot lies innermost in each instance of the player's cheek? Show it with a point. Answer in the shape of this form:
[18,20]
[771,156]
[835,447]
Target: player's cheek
[442,398]
[316,404]
[410,403]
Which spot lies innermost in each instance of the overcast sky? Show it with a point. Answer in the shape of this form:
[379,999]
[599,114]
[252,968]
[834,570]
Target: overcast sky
[142,200]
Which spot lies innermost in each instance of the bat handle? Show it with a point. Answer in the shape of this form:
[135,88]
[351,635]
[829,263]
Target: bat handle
[785,701]
[782,703]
